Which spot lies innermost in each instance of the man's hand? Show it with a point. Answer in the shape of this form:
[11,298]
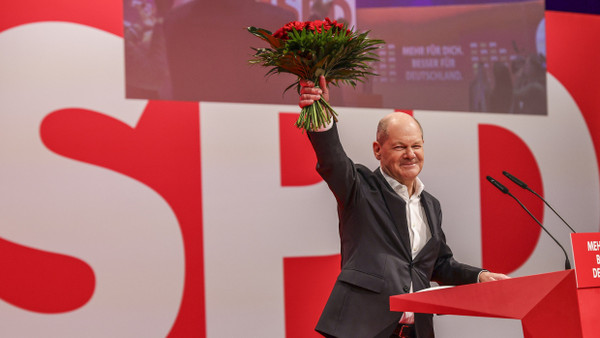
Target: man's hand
[486,276]
[309,94]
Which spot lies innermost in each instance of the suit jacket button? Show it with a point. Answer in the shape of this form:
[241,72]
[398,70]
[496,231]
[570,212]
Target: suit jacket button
[406,288]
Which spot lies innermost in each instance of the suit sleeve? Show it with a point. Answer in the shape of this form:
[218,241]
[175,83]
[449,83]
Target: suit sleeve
[448,271]
[333,165]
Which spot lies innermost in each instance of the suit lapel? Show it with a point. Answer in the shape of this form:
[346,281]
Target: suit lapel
[397,209]
[430,214]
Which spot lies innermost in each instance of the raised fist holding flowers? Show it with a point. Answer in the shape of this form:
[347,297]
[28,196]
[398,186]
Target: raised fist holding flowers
[309,92]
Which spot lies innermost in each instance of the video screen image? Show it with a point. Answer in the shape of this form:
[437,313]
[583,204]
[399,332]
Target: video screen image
[473,56]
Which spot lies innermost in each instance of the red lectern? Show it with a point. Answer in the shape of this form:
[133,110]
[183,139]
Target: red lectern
[548,305]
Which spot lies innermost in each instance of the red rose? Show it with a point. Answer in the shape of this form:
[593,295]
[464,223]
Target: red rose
[318,24]
[298,25]
[282,33]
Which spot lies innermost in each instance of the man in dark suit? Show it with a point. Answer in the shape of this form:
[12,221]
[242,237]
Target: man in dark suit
[390,230]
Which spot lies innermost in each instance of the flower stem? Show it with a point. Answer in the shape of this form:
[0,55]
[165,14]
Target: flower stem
[315,116]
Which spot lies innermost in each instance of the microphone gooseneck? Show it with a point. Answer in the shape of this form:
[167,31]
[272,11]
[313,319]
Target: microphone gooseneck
[526,187]
[506,191]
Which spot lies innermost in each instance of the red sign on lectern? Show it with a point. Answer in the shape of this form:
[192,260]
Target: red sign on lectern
[586,254]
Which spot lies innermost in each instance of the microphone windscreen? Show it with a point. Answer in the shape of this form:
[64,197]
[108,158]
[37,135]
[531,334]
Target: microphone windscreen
[497,184]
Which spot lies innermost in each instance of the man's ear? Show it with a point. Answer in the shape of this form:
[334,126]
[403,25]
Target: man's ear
[377,150]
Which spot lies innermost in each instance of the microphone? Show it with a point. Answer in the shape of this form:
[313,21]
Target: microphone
[505,190]
[524,186]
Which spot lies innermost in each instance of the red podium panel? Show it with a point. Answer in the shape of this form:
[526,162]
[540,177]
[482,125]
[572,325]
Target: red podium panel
[548,305]
[589,307]
[586,255]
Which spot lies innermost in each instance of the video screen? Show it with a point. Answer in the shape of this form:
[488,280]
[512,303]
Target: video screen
[469,56]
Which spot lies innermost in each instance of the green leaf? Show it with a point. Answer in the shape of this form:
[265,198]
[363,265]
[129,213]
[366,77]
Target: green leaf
[265,35]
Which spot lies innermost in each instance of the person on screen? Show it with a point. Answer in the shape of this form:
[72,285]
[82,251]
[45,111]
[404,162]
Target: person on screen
[390,230]
[479,90]
[501,96]
[530,88]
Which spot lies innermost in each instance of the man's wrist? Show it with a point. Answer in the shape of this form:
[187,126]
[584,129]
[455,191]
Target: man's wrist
[326,127]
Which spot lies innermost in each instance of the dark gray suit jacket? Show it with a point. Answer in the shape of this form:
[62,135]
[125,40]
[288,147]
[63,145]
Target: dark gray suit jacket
[375,248]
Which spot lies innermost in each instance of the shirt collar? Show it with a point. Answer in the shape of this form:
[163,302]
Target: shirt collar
[401,189]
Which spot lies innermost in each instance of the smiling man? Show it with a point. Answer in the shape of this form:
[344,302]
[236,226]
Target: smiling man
[390,230]
[399,148]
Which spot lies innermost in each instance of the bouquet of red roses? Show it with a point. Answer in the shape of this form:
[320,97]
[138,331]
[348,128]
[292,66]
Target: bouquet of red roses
[313,48]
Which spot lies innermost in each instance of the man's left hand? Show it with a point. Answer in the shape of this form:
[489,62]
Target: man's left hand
[487,276]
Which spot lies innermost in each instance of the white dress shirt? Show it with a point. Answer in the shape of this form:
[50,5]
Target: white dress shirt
[418,230]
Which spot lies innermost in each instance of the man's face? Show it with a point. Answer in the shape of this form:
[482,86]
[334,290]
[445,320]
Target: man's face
[401,154]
